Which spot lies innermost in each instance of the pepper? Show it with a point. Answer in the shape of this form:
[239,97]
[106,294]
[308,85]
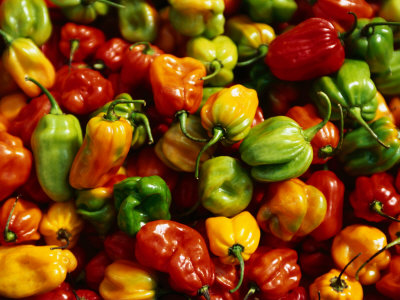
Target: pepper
[8,84]
[140,200]
[225,280]
[225,188]
[96,207]
[361,155]
[32,189]
[95,270]
[274,11]
[358,238]
[292,209]
[219,56]
[185,195]
[272,272]
[390,10]
[180,251]
[233,240]
[279,149]
[333,189]
[61,292]
[138,21]
[128,280]
[107,136]
[389,284]
[321,51]
[54,162]
[383,110]
[193,18]
[15,164]
[315,257]
[26,270]
[27,18]
[118,245]
[386,82]
[11,105]
[110,54]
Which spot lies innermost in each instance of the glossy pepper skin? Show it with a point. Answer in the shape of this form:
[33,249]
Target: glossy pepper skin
[125,279]
[233,240]
[390,10]
[26,18]
[95,270]
[333,189]
[358,238]
[292,208]
[269,12]
[140,200]
[386,82]
[110,54]
[321,52]
[225,187]
[219,55]
[178,250]
[389,284]
[81,11]
[40,268]
[362,155]
[193,18]
[15,164]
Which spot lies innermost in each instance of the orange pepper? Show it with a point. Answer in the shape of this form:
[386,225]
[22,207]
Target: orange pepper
[11,105]
[383,109]
[394,106]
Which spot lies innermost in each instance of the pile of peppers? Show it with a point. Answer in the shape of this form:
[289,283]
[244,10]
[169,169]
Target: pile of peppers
[220,149]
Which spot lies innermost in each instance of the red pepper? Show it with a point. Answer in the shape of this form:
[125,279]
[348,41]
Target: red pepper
[231,7]
[81,257]
[315,257]
[178,250]
[281,96]
[79,42]
[309,50]
[32,189]
[389,284]
[51,49]
[87,295]
[333,189]
[299,293]
[110,54]
[62,292]
[82,90]
[375,198]
[226,278]
[185,194]
[119,245]
[118,86]
[94,270]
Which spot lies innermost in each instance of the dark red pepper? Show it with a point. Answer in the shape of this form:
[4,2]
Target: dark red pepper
[32,189]
[51,49]
[62,292]
[94,270]
[315,257]
[226,278]
[298,293]
[110,54]
[185,194]
[119,245]
[87,295]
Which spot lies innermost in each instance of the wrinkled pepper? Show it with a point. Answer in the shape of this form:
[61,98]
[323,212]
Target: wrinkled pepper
[387,82]
[118,245]
[226,278]
[389,284]
[110,55]
[271,11]
[140,200]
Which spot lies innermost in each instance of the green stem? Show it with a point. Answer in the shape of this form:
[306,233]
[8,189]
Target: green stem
[142,119]
[7,38]
[10,236]
[253,289]
[236,251]
[328,150]
[55,108]
[111,115]
[355,113]
[365,31]
[73,47]
[182,117]
[312,131]
[218,133]
[147,47]
[214,67]
[99,65]
[262,52]
[203,291]
[346,34]
[377,207]
[62,235]
[336,282]
[110,3]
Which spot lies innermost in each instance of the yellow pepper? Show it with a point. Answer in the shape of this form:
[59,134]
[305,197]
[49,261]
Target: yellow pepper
[127,280]
[365,239]
[61,225]
[10,105]
[233,240]
[27,270]
[383,109]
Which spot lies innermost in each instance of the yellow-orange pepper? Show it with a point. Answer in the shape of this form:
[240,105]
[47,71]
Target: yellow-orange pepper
[233,240]
[383,109]
[27,270]
[10,105]
[127,280]
[358,238]
[61,225]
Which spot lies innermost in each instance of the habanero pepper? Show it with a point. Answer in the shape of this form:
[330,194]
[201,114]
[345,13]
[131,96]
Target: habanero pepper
[275,11]
[8,85]
[178,250]
[383,109]
[110,54]
[95,270]
[32,190]
[389,284]
[226,278]
[390,10]
[118,245]
[11,105]
[386,82]
[315,257]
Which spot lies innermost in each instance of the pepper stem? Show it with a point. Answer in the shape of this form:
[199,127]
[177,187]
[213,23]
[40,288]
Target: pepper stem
[218,133]
[377,206]
[236,251]
[147,47]
[346,34]
[73,47]
[355,113]
[10,236]
[111,115]
[110,3]
[182,117]
[99,65]
[142,119]
[328,150]
[7,38]
[63,235]
[214,67]
[203,291]
[55,108]
[336,282]
[253,289]
[262,51]
[312,131]
[365,31]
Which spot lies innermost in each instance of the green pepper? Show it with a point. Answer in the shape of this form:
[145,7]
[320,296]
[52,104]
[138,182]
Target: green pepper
[260,78]
[207,92]
[26,18]
[225,188]
[138,21]
[279,149]
[96,207]
[270,11]
[388,82]
[352,88]
[197,17]
[361,155]
[139,200]
[218,55]
[55,142]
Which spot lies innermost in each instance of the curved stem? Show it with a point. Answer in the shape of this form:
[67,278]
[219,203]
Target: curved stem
[262,52]
[236,251]
[142,119]
[55,108]
[7,38]
[218,133]
[346,34]
[10,236]
[203,291]
[110,3]
[147,47]
[312,131]
[73,47]
[182,117]
[253,289]
[62,235]
[111,115]
[355,112]
[328,150]
[336,282]
[365,31]
[377,206]
[215,66]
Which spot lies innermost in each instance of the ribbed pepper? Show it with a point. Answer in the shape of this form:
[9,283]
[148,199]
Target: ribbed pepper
[27,270]
[389,284]
[26,18]
[109,56]
[388,82]
[271,11]
[140,200]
